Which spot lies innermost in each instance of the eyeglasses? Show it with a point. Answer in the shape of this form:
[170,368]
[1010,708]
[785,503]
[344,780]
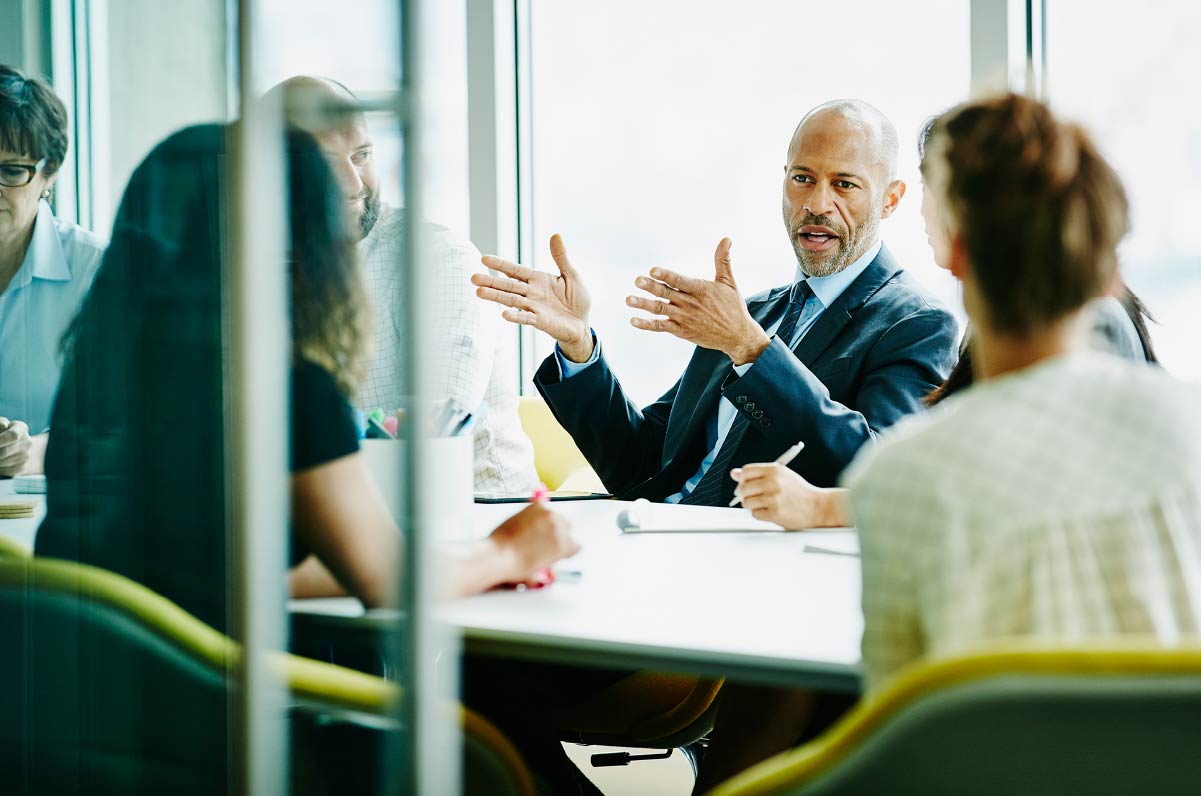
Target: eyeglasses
[18,175]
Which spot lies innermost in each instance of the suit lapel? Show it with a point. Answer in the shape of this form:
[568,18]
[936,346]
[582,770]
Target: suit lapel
[835,317]
[697,399]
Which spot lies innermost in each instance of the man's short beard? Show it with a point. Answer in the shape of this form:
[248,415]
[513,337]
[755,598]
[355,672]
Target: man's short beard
[370,213]
[848,251]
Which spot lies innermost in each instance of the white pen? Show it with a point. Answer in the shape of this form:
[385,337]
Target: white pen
[784,458]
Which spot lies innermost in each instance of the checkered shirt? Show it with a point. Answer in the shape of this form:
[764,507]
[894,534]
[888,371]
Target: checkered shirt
[475,369]
[1062,501]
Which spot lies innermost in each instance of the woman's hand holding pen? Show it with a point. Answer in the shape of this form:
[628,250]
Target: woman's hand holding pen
[774,493]
[533,540]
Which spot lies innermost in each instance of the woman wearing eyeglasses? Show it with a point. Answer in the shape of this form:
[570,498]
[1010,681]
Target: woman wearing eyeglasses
[46,266]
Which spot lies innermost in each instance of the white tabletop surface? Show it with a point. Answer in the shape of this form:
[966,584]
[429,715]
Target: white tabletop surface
[21,531]
[774,607]
[762,606]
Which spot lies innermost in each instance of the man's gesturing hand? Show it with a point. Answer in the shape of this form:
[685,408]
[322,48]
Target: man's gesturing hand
[709,314]
[558,305]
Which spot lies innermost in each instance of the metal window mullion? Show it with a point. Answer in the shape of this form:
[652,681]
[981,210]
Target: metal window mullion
[62,69]
[492,108]
[256,290]
[429,650]
[523,99]
[1008,46]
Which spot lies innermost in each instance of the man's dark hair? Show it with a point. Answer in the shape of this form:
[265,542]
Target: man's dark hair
[33,120]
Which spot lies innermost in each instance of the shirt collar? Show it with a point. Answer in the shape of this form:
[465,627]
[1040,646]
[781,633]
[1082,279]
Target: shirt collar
[44,258]
[829,288]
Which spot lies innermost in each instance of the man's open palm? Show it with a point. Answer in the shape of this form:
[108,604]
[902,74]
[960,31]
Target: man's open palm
[557,305]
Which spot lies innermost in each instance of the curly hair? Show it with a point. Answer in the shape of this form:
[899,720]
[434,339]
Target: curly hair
[160,280]
[330,312]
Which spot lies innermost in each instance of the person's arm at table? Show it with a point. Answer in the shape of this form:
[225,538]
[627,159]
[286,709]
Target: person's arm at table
[902,366]
[774,493]
[339,515]
[19,452]
[622,442]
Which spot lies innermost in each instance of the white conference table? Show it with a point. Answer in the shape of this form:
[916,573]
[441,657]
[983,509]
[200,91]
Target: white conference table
[770,607]
[21,531]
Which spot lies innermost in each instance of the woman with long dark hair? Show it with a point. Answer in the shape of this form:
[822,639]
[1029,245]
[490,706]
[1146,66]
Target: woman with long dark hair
[137,466]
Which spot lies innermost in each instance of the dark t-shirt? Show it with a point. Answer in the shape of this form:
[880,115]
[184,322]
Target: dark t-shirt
[146,498]
[323,427]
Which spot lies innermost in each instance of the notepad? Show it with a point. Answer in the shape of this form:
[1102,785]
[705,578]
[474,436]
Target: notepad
[645,517]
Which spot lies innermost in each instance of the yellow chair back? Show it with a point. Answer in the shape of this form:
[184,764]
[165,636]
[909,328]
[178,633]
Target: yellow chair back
[559,463]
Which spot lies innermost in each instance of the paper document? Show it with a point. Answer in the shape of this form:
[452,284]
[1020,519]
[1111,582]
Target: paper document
[644,517]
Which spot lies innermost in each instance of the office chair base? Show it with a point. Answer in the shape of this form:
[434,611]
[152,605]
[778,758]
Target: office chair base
[610,759]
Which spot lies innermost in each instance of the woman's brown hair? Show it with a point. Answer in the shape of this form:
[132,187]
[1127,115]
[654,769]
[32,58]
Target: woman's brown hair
[1040,211]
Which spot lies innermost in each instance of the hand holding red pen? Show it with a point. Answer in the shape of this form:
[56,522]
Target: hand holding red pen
[532,540]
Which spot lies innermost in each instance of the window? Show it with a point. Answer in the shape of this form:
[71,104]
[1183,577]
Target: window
[660,129]
[1129,78]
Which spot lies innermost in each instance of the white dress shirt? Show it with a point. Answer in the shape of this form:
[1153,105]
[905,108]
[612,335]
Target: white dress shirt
[1062,501]
[35,310]
[474,370]
[826,289]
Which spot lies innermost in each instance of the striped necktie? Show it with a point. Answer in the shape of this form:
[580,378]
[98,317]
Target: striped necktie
[715,485]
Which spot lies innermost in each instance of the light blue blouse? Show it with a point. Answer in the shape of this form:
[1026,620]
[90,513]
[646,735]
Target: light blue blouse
[35,310]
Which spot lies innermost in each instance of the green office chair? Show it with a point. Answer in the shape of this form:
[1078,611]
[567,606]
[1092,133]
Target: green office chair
[111,688]
[10,548]
[1110,718]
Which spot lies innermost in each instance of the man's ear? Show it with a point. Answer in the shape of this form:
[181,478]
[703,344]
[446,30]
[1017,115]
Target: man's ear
[892,197]
[960,265]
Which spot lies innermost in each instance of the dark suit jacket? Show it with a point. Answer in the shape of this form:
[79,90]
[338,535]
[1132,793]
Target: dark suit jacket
[867,362]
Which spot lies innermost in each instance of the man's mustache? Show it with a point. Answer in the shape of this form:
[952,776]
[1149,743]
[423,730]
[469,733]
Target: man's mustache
[818,221]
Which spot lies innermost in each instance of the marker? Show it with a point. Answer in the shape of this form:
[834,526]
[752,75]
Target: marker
[463,426]
[784,458]
[545,576]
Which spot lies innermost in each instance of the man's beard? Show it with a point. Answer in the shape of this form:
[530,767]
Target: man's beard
[849,249]
[370,213]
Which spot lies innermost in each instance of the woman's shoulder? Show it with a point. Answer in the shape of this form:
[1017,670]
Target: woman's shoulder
[82,248]
[310,378]
[323,425]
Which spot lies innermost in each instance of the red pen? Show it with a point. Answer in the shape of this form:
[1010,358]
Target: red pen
[544,576]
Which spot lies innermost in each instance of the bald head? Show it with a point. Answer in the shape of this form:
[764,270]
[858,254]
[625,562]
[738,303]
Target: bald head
[330,112]
[860,119]
[839,184]
[315,104]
